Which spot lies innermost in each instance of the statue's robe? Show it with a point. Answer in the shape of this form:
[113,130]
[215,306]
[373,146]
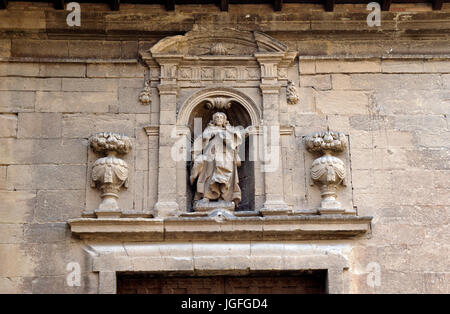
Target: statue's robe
[215,166]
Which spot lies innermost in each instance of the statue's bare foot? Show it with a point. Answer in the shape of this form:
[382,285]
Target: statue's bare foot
[206,200]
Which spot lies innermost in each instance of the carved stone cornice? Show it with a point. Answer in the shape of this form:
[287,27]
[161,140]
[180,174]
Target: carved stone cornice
[286,228]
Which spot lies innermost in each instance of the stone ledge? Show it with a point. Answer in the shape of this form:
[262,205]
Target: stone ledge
[305,227]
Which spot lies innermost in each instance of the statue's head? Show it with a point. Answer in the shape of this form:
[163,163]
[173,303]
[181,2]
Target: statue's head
[219,118]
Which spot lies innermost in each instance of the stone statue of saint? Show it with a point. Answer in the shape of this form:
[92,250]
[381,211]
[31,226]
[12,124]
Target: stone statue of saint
[215,161]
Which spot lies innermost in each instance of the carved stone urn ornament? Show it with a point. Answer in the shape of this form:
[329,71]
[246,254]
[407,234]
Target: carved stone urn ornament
[109,173]
[145,97]
[328,171]
[291,93]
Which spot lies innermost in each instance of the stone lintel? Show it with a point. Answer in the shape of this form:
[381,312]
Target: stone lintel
[286,228]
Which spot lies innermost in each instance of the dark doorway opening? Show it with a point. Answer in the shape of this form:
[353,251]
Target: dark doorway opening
[283,282]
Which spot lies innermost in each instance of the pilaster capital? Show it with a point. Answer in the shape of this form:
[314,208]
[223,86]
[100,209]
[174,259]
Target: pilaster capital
[168,89]
[270,88]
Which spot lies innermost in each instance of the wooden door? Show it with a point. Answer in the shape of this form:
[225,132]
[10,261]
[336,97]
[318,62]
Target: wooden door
[303,282]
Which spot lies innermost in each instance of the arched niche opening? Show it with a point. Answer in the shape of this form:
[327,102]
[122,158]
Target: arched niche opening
[237,115]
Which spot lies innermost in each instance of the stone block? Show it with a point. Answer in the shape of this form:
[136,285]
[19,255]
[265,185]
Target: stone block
[129,101]
[411,102]
[116,70]
[436,66]
[348,66]
[62,70]
[371,123]
[429,158]
[85,125]
[307,67]
[89,85]
[3,171]
[10,285]
[46,232]
[16,101]
[402,66]
[59,206]
[5,48]
[58,284]
[382,82]
[8,125]
[318,82]
[341,81]
[30,84]
[51,259]
[379,158]
[41,151]
[15,261]
[94,49]
[19,69]
[17,206]
[39,48]
[39,125]
[11,233]
[340,102]
[73,102]
[46,177]
[22,20]
[436,282]
[446,81]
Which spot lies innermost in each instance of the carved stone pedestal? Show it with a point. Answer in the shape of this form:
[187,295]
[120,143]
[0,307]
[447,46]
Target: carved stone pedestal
[202,206]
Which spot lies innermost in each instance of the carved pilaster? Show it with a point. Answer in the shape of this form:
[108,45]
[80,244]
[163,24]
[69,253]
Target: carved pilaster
[271,146]
[167,166]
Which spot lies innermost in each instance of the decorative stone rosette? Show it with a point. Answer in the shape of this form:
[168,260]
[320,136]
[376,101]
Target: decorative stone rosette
[328,171]
[110,173]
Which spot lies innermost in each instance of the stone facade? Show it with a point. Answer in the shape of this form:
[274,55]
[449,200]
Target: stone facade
[386,90]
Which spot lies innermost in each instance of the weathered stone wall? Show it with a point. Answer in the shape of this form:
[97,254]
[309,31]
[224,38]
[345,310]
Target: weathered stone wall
[387,89]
